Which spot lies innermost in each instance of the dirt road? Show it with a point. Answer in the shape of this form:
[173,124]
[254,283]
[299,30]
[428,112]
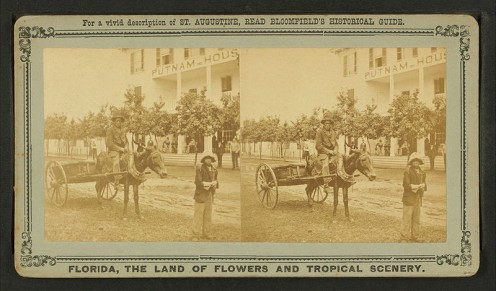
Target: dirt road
[166,204]
[375,206]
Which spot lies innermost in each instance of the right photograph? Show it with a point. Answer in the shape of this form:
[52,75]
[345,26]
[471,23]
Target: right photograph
[343,145]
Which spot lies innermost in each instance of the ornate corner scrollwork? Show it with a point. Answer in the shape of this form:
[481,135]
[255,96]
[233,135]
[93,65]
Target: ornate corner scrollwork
[25,35]
[457,31]
[27,259]
[463,259]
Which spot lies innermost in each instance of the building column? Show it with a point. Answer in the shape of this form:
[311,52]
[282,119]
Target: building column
[180,138]
[420,146]
[207,145]
[421,95]
[394,147]
[391,88]
[209,82]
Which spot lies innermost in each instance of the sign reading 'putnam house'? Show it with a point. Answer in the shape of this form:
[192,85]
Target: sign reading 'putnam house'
[197,62]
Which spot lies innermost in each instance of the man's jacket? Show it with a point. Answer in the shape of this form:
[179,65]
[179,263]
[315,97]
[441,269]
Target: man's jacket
[325,141]
[203,174]
[116,138]
[412,177]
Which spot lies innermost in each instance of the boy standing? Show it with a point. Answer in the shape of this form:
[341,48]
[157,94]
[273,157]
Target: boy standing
[206,184]
[414,187]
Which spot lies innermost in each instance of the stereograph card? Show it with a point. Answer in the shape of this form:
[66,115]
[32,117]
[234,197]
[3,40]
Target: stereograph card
[246,146]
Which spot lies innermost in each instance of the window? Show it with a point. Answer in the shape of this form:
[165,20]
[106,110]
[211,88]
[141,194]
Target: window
[138,61]
[226,84]
[157,57]
[137,91]
[351,93]
[371,58]
[415,52]
[350,64]
[167,57]
[399,54]
[439,86]
[193,52]
[377,59]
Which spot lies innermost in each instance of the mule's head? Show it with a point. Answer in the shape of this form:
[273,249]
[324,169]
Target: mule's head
[156,163]
[365,166]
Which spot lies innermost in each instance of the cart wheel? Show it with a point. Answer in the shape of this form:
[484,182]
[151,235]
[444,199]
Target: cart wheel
[109,190]
[318,194]
[266,183]
[56,183]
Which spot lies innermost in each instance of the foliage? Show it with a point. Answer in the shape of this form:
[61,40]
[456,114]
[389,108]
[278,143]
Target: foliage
[371,124]
[230,111]
[410,118]
[56,126]
[439,113]
[197,116]
[346,115]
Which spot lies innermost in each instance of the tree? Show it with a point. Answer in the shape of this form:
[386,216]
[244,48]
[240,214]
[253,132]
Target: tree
[410,118]
[268,126]
[135,113]
[346,116]
[99,122]
[370,124]
[249,133]
[158,122]
[55,127]
[439,113]
[230,111]
[197,117]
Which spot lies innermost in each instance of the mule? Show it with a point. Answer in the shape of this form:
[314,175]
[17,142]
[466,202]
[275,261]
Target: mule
[136,164]
[357,160]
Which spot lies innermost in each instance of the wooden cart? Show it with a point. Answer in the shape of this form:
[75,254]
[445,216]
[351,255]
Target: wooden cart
[58,176]
[268,180]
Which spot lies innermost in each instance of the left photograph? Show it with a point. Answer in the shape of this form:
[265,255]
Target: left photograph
[141,145]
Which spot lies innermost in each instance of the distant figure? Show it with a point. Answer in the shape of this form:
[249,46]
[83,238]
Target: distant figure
[191,146]
[414,187]
[235,149]
[432,155]
[363,146]
[427,146]
[443,152]
[387,148]
[140,143]
[352,145]
[404,148]
[378,148]
[219,151]
[151,145]
[306,149]
[93,149]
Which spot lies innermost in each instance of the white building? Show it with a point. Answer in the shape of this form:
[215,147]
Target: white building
[166,74]
[377,75]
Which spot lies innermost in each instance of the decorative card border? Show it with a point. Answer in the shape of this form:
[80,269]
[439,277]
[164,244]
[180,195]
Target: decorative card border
[27,254]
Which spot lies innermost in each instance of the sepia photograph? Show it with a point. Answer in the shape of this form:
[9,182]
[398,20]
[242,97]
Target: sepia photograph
[344,145]
[246,146]
[141,144]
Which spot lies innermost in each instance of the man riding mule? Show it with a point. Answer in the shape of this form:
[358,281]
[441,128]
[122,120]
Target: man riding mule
[328,153]
[329,161]
[119,159]
[117,143]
